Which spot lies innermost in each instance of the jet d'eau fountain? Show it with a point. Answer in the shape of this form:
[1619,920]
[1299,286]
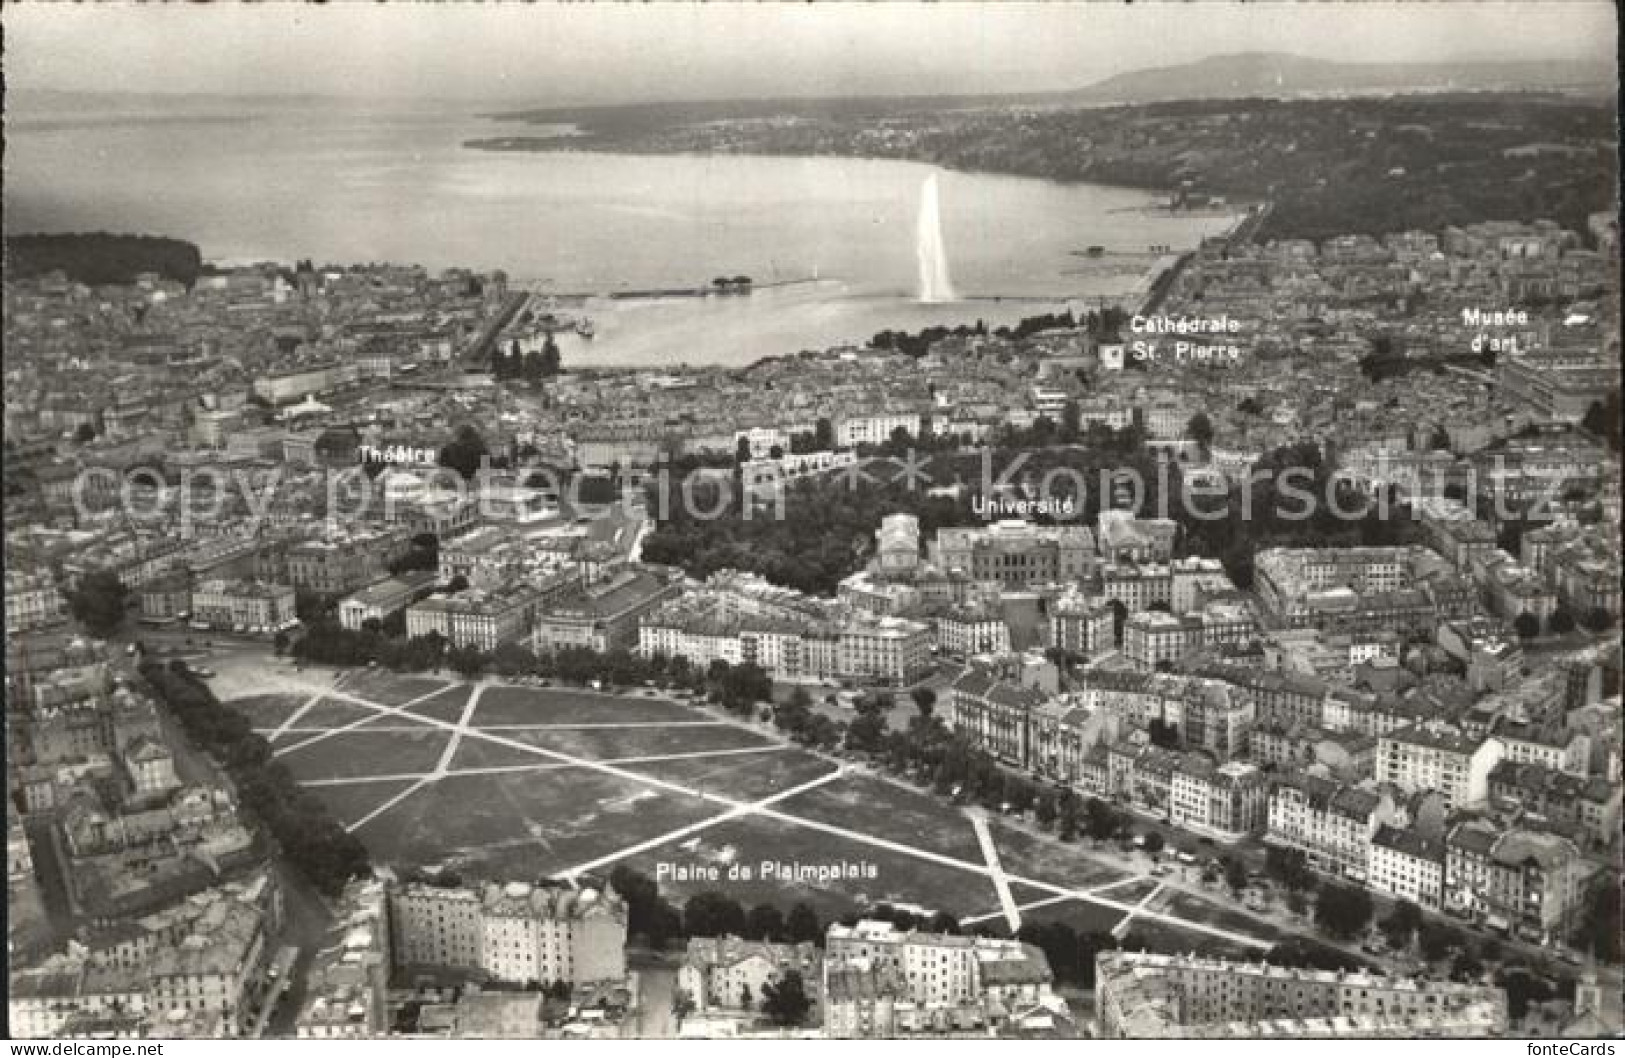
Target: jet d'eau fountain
[935,285]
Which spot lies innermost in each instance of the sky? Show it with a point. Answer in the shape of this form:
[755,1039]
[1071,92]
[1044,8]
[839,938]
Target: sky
[582,53]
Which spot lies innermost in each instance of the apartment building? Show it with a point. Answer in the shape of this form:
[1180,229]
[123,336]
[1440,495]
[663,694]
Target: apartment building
[602,615]
[1432,755]
[880,980]
[243,605]
[1226,801]
[723,973]
[1408,865]
[1528,882]
[875,429]
[1331,823]
[1141,995]
[994,714]
[1081,625]
[972,628]
[1590,804]
[32,602]
[515,932]
[475,617]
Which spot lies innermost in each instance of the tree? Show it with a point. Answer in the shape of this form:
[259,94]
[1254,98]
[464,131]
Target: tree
[466,661]
[550,360]
[1527,625]
[466,452]
[1342,910]
[1599,620]
[1438,939]
[1602,419]
[1561,622]
[803,926]
[744,997]
[1467,965]
[1600,924]
[925,700]
[823,435]
[764,922]
[785,1001]
[1154,842]
[742,453]
[867,732]
[1044,811]
[1401,924]
[1288,866]
[1101,821]
[1235,875]
[85,434]
[1200,429]
[1522,987]
[279,644]
[99,602]
[1163,734]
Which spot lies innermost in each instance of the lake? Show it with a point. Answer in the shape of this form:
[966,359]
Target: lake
[290,182]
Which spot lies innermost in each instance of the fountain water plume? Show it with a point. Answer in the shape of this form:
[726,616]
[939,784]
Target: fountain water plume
[935,284]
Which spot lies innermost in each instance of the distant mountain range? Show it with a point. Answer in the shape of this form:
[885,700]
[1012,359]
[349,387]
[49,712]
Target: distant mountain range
[1280,75]
[1247,75]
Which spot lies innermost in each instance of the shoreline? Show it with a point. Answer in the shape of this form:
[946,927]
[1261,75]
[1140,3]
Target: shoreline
[573,145]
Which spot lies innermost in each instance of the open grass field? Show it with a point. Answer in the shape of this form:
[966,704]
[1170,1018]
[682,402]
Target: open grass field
[266,711]
[360,753]
[1051,861]
[532,705]
[388,688]
[631,742]
[527,824]
[747,776]
[888,810]
[1083,916]
[445,704]
[1200,910]
[546,781]
[332,712]
[900,879]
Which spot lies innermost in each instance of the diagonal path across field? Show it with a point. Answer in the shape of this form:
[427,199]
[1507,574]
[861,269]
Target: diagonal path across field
[1001,884]
[1121,929]
[735,809]
[680,833]
[1050,901]
[346,696]
[293,718]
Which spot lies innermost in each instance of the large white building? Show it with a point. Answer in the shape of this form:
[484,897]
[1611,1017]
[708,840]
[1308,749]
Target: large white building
[1408,866]
[475,617]
[515,932]
[874,429]
[1330,823]
[243,604]
[1436,756]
